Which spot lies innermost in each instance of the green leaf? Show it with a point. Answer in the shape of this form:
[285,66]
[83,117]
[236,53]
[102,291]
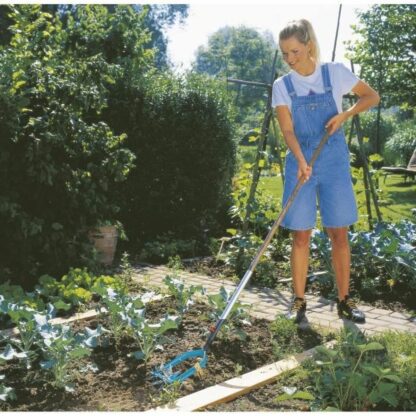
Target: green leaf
[61,305]
[393,377]
[303,395]
[329,353]
[19,84]
[372,346]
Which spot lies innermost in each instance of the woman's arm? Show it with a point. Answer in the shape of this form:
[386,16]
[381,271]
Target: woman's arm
[286,126]
[367,98]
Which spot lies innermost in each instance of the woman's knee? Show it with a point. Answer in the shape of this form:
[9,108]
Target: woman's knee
[338,236]
[301,238]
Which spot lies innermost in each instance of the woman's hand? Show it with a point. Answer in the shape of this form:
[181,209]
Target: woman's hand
[336,122]
[304,171]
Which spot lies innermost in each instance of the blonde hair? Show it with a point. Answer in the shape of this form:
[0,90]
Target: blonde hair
[303,31]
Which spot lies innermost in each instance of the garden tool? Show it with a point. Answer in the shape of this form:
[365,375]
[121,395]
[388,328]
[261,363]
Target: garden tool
[166,373]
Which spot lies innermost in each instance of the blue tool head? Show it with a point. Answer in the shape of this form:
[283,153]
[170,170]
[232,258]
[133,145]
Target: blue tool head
[166,374]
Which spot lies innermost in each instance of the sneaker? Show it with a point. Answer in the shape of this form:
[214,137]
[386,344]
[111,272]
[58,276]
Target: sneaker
[348,309]
[297,311]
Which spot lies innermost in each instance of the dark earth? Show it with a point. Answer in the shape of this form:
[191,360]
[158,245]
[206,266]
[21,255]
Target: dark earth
[122,383]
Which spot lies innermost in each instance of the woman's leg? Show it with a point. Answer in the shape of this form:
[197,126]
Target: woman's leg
[341,259]
[299,260]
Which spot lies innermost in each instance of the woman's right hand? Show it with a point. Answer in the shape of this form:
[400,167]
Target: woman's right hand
[304,171]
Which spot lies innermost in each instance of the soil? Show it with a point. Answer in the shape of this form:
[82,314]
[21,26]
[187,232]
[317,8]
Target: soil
[122,383]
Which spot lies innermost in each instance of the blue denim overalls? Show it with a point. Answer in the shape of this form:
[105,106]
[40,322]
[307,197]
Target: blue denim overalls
[330,181]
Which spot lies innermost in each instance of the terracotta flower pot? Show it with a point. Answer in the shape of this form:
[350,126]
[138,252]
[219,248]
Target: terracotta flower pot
[105,242]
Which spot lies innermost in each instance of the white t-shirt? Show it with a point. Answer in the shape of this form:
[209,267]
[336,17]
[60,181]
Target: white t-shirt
[342,81]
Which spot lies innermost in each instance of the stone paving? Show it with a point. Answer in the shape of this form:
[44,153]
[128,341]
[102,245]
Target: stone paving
[267,303]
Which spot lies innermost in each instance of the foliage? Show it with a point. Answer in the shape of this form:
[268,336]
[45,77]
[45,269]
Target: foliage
[384,50]
[149,336]
[75,288]
[157,19]
[56,155]
[180,131]
[284,337]
[368,125]
[401,358]
[183,295]
[401,145]
[240,53]
[62,350]
[348,377]
[383,261]
[237,318]
[166,246]
[115,305]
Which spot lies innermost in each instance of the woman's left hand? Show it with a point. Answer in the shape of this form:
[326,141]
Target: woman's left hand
[336,122]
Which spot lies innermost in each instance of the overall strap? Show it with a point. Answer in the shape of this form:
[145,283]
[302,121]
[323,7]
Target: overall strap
[326,79]
[289,86]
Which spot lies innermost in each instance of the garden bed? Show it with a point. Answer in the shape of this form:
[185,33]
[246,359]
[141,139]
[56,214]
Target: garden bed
[123,383]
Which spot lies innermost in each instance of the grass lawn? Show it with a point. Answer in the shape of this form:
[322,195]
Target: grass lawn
[396,198]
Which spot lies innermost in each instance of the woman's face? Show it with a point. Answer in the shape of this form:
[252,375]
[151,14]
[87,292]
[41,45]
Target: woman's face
[295,53]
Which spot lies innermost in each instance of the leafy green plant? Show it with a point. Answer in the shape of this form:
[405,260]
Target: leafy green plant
[25,320]
[182,294]
[166,247]
[346,380]
[284,337]
[383,262]
[115,305]
[291,393]
[400,356]
[62,350]
[149,336]
[6,393]
[237,318]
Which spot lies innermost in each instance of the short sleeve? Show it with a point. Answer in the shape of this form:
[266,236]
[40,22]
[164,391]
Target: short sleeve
[279,94]
[346,78]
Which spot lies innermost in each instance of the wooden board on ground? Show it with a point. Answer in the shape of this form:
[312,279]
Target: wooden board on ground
[229,390]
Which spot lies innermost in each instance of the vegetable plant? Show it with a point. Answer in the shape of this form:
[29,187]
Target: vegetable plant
[62,350]
[149,336]
[238,315]
[182,294]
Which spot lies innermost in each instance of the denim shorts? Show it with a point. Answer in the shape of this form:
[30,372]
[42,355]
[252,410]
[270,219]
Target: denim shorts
[329,188]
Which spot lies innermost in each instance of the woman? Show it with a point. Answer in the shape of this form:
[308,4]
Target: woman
[308,101]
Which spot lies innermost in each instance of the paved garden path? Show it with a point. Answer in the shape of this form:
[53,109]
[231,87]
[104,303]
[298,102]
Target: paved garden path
[266,303]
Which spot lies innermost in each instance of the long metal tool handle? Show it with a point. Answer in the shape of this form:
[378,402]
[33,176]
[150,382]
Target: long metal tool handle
[263,247]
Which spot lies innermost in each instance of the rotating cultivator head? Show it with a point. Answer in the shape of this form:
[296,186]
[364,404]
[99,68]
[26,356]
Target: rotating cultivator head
[167,374]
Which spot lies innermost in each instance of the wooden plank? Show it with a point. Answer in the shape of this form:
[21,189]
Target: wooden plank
[238,386]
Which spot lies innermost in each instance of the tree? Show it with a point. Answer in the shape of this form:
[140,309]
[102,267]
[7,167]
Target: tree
[386,51]
[156,20]
[242,53]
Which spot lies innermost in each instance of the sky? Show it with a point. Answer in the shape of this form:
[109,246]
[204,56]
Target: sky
[204,20]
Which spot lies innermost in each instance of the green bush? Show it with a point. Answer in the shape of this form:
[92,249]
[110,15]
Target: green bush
[59,162]
[368,123]
[180,132]
[401,145]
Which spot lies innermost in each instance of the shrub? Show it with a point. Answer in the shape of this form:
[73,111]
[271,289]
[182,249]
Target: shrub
[58,161]
[180,133]
[400,146]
